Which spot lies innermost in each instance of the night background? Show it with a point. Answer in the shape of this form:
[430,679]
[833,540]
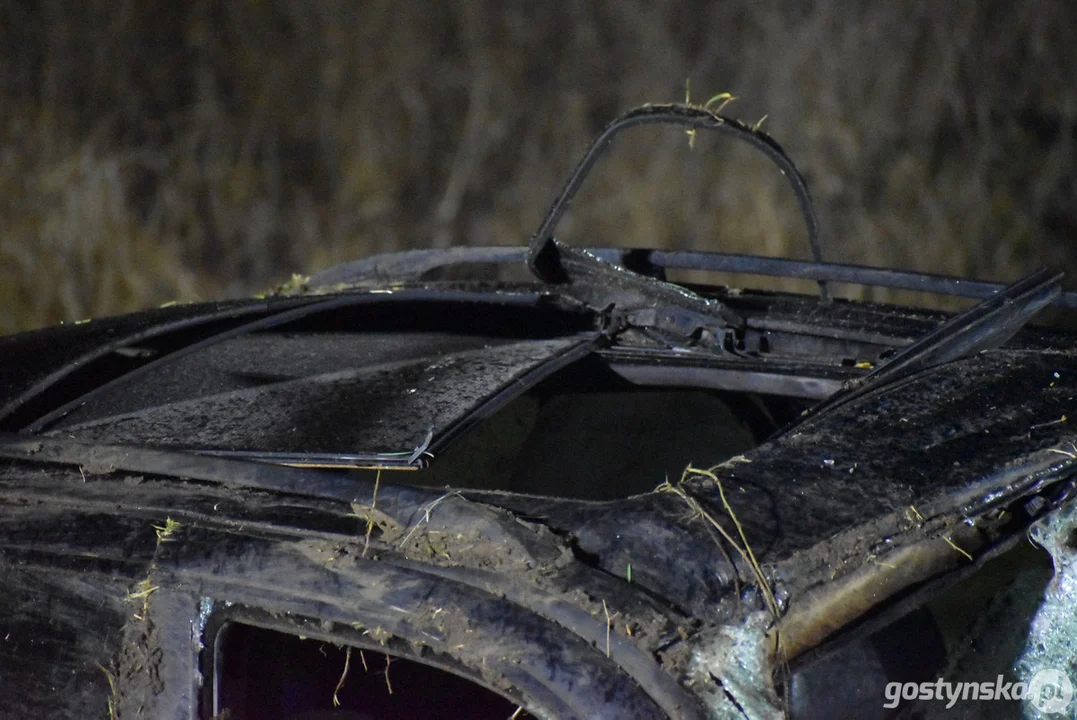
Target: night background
[160,151]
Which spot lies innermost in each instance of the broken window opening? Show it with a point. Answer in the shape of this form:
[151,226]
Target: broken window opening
[266,674]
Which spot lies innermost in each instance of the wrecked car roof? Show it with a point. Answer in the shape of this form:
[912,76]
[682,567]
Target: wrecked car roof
[169,473]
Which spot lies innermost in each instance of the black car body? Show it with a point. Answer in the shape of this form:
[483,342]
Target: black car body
[594,494]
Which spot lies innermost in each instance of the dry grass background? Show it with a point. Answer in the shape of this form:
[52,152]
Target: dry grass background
[152,151]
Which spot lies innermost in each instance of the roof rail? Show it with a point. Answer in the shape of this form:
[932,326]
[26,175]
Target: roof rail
[415,264]
[544,250]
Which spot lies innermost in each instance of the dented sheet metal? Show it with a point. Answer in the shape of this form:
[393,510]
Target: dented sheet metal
[382,411]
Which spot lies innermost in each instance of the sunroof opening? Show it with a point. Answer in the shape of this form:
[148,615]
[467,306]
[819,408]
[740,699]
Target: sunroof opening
[587,433]
[272,675]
